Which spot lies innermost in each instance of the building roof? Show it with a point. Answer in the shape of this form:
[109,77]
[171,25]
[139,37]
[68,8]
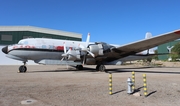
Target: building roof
[40,30]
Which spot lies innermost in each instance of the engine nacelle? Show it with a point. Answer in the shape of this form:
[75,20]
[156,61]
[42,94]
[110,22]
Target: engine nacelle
[99,49]
[74,55]
[96,49]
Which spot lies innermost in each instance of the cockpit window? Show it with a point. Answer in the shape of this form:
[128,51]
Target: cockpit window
[22,42]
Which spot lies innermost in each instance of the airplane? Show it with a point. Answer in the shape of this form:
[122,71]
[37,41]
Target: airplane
[63,52]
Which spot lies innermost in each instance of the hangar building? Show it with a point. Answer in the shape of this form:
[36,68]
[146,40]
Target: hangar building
[165,48]
[12,34]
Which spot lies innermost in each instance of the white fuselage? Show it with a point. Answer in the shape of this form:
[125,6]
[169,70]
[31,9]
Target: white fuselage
[38,49]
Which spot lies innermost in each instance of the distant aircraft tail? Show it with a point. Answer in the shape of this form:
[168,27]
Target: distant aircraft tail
[149,51]
[148,35]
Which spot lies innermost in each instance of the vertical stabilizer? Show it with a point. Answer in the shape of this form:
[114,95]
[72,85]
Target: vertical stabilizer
[149,51]
[148,35]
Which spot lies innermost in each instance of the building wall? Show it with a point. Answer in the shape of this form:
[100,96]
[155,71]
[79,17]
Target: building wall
[163,49]
[12,37]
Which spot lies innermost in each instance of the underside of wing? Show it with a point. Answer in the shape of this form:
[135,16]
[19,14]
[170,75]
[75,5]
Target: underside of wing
[56,62]
[133,48]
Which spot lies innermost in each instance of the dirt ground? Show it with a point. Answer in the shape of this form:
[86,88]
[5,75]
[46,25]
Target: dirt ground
[58,86]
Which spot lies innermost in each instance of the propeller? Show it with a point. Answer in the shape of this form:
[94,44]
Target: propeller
[66,54]
[86,49]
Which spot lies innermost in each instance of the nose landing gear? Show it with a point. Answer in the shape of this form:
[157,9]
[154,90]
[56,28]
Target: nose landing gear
[23,68]
[79,67]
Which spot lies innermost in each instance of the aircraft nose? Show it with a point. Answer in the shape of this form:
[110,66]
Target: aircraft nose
[5,49]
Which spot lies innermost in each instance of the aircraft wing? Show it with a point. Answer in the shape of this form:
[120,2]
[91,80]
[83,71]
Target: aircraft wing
[135,47]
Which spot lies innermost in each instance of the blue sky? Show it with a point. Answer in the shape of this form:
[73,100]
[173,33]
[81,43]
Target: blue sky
[111,21]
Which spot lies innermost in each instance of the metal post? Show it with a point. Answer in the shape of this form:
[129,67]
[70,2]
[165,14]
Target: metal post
[133,80]
[110,83]
[145,85]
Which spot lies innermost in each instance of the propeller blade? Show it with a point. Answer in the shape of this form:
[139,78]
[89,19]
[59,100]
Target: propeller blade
[62,59]
[91,53]
[69,51]
[67,65]
[84,60]
[87,40]
[64,48]
[66,53]
[85,48]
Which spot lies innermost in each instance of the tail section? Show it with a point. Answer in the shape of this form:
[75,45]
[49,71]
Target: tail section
[149,51]
[148,35]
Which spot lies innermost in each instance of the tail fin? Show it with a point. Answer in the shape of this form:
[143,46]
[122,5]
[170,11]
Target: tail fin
[149,51]
[148,35]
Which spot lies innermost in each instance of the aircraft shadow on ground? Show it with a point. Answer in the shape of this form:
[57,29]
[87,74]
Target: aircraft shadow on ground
[113,70]
[86,69]
[123,70]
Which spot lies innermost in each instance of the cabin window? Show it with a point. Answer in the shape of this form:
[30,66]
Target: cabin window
[6,37]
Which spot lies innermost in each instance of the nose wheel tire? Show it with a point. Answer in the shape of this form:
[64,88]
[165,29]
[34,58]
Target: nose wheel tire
[22,69]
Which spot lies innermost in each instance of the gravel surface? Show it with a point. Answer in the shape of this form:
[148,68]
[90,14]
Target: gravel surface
[58,86]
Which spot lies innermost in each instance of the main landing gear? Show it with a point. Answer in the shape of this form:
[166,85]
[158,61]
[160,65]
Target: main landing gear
[79,67]
[23,68]
[100,68]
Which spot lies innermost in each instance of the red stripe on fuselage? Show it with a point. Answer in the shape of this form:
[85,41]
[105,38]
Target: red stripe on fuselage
[59,48]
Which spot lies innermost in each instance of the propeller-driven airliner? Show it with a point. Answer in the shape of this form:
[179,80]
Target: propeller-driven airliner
[54,51]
